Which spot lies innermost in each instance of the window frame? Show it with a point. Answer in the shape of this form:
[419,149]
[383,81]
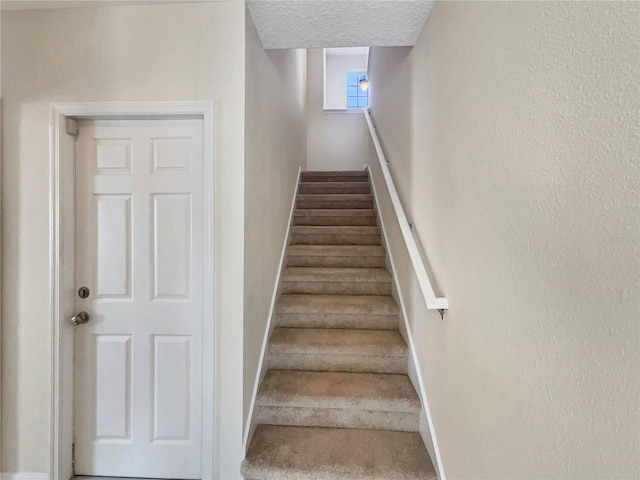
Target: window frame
[360,92]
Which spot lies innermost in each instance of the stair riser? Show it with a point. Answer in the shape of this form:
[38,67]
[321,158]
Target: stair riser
[338,230]
[339,418]
[335,204]
[334,178]
[337,320]
[338,363]
[337,288]
[335,239]
[346,188]
[337,221]
[337,262]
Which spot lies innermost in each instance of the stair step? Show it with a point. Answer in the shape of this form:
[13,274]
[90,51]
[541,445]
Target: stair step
[336,281]
[310,216]
[337,250]
[326,349]
[339,304]
[312,453]
[334,187]
[338,399]
[327,201]
[347,176]
[335,235]
[336,256]
[337,311]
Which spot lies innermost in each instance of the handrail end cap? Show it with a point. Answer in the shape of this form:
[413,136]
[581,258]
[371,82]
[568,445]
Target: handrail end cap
[440,303]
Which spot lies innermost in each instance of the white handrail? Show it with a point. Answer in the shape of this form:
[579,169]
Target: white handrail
[433,303]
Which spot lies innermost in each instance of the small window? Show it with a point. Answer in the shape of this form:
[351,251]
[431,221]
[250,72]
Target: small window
[356,97]
[343,68]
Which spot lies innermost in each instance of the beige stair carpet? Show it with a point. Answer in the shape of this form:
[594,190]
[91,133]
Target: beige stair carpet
[336,403]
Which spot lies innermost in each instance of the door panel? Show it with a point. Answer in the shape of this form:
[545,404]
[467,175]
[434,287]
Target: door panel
[171,389]
[113,256]
[113,387]
[171,246]
[139,241]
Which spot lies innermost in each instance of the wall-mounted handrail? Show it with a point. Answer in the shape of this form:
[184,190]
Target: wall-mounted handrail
[433,303]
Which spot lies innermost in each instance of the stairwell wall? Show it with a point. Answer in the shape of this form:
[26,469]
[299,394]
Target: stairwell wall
[336,140]
[515,156]
[275,149]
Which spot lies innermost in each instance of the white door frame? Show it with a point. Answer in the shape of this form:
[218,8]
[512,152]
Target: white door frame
[62,263]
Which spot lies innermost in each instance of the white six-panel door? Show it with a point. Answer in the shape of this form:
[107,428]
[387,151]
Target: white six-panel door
[139,242]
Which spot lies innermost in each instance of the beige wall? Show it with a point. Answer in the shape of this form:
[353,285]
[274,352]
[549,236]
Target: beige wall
[516,156]
[134,53]
[335,140]
[275,149]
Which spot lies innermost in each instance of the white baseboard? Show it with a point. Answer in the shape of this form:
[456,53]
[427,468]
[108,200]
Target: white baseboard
[261,372]
[24,476]
[412,351]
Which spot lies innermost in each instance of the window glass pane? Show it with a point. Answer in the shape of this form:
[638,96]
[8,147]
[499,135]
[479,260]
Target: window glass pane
[352,102]
[363,102]
[352,79]
[352,91]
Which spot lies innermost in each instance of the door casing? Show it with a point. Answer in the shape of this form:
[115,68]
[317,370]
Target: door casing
[62,263]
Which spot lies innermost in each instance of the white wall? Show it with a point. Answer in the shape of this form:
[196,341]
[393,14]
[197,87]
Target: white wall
[516,156]
[275,149]
[123,53]
[335,140]
[337,67]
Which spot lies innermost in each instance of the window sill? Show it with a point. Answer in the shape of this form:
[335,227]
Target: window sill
[343,110]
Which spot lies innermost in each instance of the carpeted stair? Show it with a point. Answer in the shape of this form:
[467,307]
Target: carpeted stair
[336,403]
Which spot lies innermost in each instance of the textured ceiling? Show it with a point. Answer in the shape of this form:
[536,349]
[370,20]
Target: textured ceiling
[338,23]
[303,23]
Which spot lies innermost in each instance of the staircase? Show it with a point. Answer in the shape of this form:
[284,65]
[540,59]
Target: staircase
[336,402]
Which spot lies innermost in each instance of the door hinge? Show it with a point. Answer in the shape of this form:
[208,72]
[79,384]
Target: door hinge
[72,127]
